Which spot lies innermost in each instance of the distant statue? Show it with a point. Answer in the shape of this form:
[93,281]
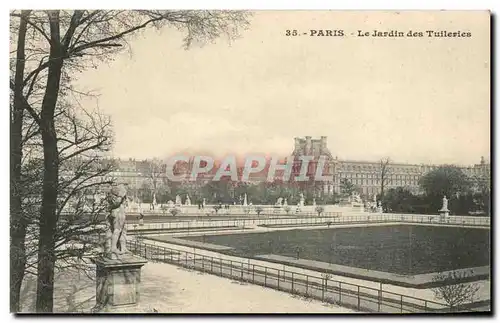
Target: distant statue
[170,203]
[178,200]
[245,203]
[116,243]
[301,202]
[188,201]
[204,202]
[356,198]
[314,201]
[445,204]
[279,201]
[154,199]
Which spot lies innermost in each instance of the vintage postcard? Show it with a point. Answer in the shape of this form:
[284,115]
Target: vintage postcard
[197,161]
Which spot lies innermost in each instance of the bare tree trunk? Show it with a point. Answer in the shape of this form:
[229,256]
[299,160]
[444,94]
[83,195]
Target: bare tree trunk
[48,216]
[18,221]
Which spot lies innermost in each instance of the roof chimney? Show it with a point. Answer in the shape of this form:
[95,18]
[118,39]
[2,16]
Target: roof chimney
[323,141]
[308,145]
[297,143]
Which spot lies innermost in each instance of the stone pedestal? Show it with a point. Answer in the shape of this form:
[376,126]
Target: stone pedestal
[117,282]
[443,214]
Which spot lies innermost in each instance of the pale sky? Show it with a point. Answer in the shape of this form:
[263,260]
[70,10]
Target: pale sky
[416,100]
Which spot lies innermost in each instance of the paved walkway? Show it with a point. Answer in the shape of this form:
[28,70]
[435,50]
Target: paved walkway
[415,281]
[171,289]
[354,297]
[424,294]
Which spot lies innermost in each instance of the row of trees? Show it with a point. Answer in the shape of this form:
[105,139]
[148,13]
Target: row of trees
[226,192]
[56,145]
[465,195]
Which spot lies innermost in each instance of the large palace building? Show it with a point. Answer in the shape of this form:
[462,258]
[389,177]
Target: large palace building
[365,175]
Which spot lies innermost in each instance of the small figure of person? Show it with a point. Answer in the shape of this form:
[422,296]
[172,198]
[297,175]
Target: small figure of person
[141,219]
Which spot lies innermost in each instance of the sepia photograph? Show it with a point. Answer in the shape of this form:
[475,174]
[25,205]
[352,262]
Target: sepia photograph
[250,161]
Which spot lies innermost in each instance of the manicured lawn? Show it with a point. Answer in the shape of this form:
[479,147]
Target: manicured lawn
[400,249]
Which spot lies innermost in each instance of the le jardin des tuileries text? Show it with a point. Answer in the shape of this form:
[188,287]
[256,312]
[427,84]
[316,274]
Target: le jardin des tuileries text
[393,33]
[412,33]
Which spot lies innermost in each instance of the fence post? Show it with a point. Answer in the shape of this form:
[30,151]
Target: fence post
[265,276]
[307,284]
[253,273]
[425,306]
[212,265]
[230,268]
[401,303]
[323,283]
[340,292]
[278,279]
[292,282]
[379,298]
[358,299]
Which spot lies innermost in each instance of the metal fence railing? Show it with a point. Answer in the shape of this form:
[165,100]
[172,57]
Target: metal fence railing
[325,219]
[320,287]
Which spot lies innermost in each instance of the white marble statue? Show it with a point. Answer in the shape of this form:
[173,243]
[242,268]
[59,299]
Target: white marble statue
[279,201]
[178,200]
[301,202]
[188,200]
[116,242]
[245,203]
[444,210]
[314,201]
[445,203]
[285,203]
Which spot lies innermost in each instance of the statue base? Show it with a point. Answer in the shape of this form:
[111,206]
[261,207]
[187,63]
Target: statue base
[444,212]
[117,283]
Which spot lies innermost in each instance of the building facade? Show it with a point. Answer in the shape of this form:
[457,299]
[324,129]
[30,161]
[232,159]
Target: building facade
[365,175]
